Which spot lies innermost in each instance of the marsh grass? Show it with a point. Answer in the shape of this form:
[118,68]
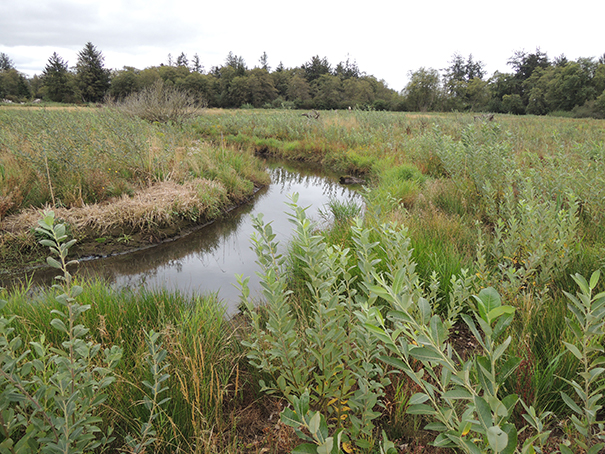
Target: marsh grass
[204,357]
[106,173]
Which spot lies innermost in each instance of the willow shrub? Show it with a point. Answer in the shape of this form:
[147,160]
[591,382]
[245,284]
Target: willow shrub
[51,394]
[317,351]
[366,312]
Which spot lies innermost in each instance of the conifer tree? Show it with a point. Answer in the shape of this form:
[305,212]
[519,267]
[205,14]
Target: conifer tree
[92,78]
[196,64]
[5,62]
[56,79]
[182,60]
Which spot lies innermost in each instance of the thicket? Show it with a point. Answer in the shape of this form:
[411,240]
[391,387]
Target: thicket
[161,103]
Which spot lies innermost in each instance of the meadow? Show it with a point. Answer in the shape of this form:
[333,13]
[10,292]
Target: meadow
[452,313]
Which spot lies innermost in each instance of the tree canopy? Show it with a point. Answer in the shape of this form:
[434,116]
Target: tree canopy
[535,85]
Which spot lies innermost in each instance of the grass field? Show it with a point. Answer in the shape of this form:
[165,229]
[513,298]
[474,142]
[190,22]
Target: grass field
[455,207]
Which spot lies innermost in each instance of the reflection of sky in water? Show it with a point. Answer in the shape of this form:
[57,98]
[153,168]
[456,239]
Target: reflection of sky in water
[208,260]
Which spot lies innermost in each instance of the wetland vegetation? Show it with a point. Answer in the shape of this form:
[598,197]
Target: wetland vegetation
[451,312]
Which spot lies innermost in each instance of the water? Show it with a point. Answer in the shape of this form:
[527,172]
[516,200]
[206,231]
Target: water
[207,260]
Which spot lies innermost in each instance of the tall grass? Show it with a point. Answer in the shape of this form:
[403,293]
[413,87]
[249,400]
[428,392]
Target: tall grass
[203,357]
[75,157]
[107,174]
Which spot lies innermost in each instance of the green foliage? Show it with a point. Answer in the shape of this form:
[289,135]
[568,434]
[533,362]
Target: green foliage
[533,241]
[13,86]
[341,212]
[153,404]
[588,329]
[91,77]
[50,394]
[480,161]
[124,82]
[462,396]
[423,91]
[58,82]
[6,63]
[317,347]
[300,417]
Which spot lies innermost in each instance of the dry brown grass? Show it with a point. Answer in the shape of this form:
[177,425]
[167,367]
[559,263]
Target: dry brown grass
[347,122]
[157,205]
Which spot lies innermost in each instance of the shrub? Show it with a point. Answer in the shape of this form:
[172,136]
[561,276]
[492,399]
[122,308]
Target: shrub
[50,395]
[316,352]
[162,103]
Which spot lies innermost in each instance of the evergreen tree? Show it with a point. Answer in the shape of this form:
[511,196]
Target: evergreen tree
[316,67]
[56,80]
[348,70]
[5,62]
[196,65]
[91,77]
[237,63]
[264,62]
[525,64]
[182,60]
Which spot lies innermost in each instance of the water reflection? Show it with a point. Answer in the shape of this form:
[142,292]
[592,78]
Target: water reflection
[208,260]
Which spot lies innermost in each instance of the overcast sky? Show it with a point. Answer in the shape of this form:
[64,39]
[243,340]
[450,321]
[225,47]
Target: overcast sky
[387,39]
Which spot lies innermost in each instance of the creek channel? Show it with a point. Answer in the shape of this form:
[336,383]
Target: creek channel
[207,260]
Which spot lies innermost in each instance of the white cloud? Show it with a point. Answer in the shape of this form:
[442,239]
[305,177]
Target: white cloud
[386,38]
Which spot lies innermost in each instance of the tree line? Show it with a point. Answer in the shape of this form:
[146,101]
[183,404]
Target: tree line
[535,85]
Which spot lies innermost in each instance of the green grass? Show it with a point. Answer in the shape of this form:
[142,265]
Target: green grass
[203,359]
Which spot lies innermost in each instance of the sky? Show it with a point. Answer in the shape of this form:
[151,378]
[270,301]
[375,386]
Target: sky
[387,39]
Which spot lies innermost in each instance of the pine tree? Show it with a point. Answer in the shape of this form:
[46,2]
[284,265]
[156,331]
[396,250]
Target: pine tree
[182,60]
[264,62]
[56,79]
[5,62]
[92,78]
[196,65]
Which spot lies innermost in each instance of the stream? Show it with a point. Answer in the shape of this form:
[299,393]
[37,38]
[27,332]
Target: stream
[207,260]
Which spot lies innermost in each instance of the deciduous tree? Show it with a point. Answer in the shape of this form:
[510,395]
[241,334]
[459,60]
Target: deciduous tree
[423,91]
[124,82]
[260,85]
[329,92]
[299,91]
[13,85]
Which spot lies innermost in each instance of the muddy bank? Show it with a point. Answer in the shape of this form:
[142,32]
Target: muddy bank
[105,230]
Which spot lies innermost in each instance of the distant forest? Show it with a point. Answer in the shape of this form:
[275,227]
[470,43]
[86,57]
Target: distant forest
[535,85]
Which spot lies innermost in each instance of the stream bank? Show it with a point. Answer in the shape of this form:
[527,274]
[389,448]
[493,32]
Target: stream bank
[205,260]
